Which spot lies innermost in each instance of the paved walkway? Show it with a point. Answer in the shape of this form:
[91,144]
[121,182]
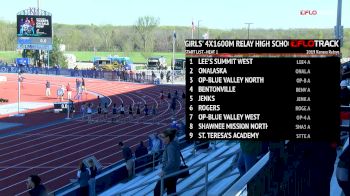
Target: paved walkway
[24,107]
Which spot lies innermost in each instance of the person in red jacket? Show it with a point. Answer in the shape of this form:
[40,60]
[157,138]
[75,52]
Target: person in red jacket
[69,91]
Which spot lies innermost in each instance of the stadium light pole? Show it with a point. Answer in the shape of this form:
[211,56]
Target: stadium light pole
[173,63]
[198,28]
[338,28]
[248,23]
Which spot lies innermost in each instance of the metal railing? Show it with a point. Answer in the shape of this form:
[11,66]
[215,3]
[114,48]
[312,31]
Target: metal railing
[137,76]
[107,170]
[192,169]
[242,182]
[156,161]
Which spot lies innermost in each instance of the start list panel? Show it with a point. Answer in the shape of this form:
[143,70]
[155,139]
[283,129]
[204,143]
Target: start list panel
[262,89]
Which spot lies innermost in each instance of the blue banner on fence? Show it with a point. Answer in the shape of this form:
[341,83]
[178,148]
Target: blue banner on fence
[22,61]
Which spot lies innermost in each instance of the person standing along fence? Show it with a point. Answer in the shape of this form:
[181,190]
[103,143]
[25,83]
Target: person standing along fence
[171,162]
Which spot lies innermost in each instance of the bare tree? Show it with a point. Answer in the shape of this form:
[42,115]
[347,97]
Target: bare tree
[144,27]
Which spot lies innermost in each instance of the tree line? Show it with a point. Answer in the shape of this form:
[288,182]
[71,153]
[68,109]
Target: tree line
[147,36]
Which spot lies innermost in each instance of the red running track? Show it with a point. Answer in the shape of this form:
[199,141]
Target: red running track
[54,152]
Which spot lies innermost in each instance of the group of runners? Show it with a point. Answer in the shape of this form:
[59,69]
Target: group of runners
[104,113]
[173,99]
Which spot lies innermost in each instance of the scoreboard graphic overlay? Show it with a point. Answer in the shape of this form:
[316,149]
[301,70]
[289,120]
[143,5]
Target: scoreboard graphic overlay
[262,89]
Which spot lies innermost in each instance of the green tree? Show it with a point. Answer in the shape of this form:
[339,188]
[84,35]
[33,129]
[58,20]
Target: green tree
[28,53]
[33,54]
[56,56]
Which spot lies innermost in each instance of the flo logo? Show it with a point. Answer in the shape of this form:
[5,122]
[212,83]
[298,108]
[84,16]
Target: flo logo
[308,12]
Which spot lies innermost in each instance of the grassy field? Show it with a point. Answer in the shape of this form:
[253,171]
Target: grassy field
[136,57]
[9,56]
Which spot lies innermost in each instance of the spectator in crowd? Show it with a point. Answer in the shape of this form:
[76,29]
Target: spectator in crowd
[92,180]
[153,76]
[168,76]
[171,162]
[144,75]
[35,187]
[83,176]
[75,73]
[162,75]
[58,69]
[141,151]
[342,171]
[48,89]
[129,162]
[47,69]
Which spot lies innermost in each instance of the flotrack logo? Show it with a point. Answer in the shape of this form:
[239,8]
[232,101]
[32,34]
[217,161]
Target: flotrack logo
[308,12]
